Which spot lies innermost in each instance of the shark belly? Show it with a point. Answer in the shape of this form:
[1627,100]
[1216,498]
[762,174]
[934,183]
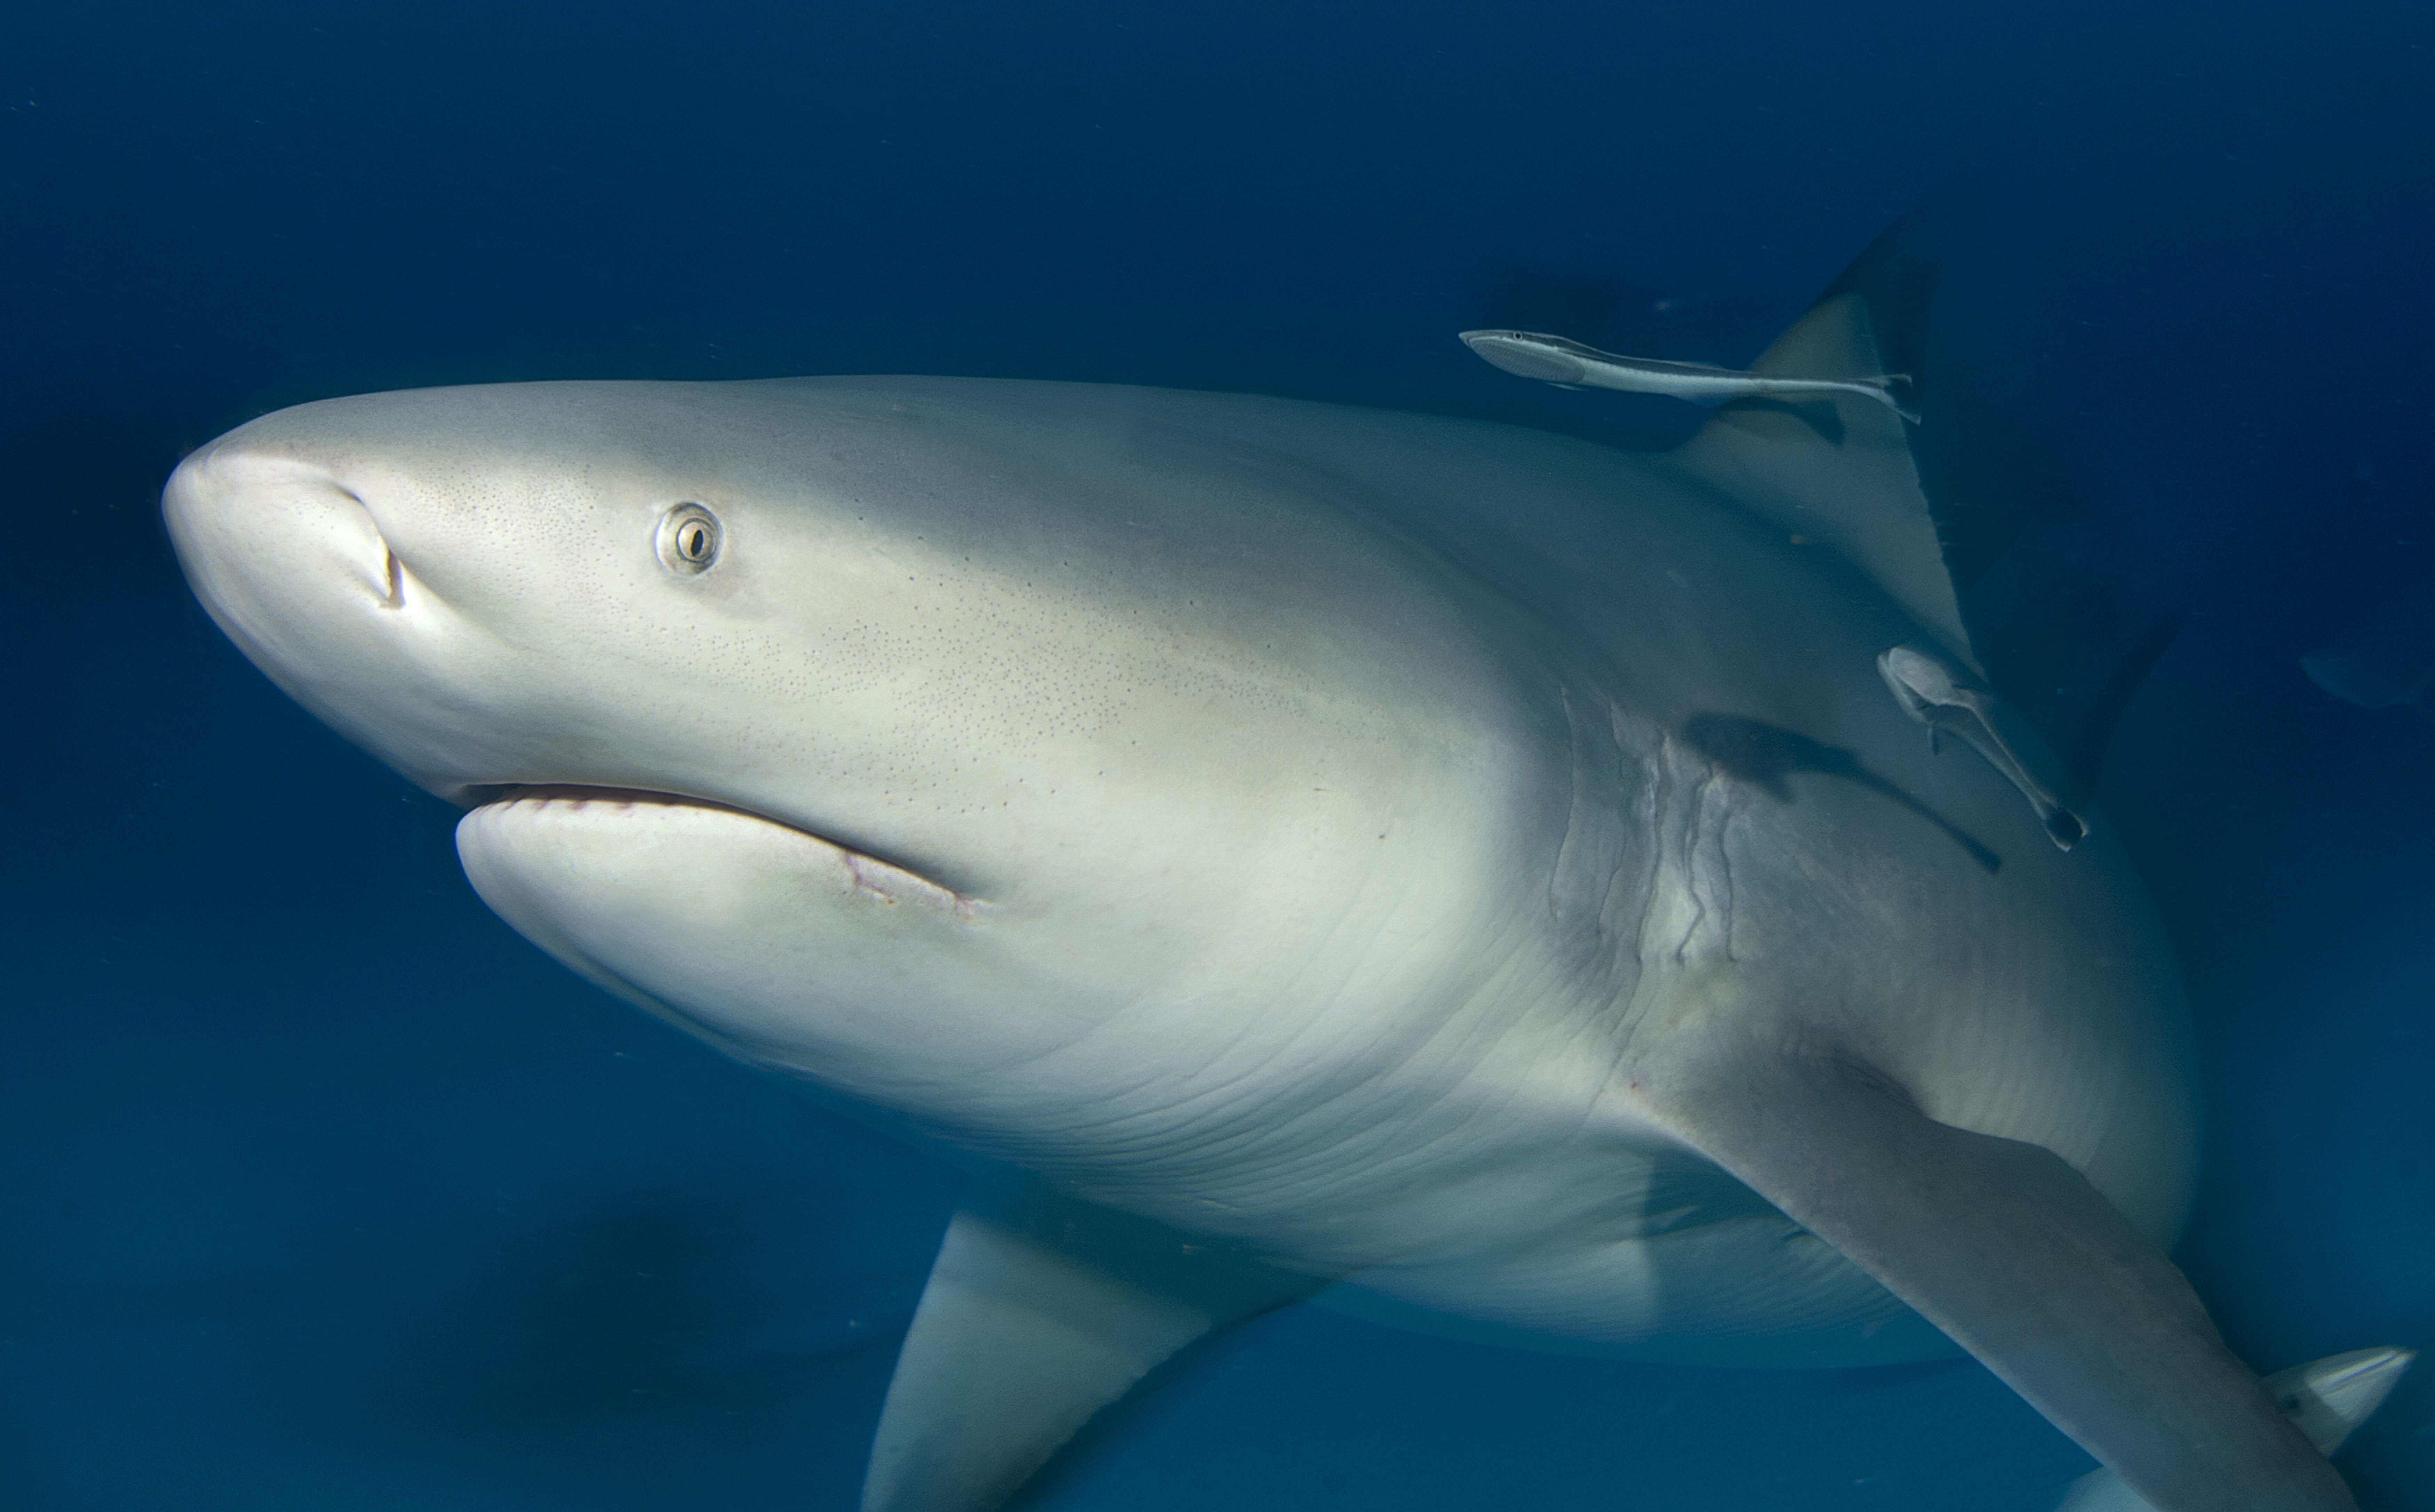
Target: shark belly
[1476,1194]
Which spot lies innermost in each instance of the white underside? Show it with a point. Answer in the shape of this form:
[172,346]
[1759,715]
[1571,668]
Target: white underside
[787,951]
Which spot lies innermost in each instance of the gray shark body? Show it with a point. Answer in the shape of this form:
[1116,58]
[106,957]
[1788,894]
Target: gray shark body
[1475,877]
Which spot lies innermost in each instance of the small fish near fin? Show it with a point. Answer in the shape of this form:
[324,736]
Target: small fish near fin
[2324,1399]
[2068,607]
[1934,693]
[1040,1311]
[1853,488]
[1569,363]
[1990,504]
[2006,1249]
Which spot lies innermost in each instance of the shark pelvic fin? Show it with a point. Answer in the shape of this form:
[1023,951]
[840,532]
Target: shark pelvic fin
[1040,1311]
[1836,470]
[2016,1257]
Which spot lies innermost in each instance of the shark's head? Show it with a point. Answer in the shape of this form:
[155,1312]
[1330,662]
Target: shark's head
[930,738]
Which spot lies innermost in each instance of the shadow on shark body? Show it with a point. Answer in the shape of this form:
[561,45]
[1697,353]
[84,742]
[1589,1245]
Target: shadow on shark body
[1766,756]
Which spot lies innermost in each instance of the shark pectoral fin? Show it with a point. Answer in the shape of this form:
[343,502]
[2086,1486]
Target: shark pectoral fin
[1039,1312]
[2324,1399]
[2019,1260]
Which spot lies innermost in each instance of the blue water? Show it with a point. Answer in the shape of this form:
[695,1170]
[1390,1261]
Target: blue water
[320,1189]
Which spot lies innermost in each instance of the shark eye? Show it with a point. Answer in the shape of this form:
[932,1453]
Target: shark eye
[688,539]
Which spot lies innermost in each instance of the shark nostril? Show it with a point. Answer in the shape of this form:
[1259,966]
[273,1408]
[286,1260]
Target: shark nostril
[388,571]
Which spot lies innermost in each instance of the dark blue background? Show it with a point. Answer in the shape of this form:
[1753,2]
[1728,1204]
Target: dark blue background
[320,1189]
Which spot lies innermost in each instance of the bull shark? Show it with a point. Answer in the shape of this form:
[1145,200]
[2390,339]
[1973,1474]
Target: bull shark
[1473,877]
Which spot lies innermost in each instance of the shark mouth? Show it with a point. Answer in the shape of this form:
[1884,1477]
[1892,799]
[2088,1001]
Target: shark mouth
[877,875]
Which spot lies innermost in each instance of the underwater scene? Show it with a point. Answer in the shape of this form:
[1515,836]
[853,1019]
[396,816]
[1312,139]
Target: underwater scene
[1439,757]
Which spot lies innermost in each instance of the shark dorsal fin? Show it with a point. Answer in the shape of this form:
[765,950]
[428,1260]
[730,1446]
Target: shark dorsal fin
[1837,470]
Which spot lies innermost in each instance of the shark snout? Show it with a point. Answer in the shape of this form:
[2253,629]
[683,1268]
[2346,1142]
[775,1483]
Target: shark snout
[290,562]
[256,530]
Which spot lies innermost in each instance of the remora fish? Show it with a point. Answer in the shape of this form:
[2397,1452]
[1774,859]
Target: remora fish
[1930,691]
[1569,364]
[1471,874]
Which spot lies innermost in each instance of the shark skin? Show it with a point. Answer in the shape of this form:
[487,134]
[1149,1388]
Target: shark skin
[1474,877]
